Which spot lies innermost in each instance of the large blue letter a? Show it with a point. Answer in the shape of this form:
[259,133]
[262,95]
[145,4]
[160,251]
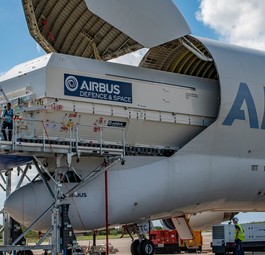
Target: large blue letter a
[236,113]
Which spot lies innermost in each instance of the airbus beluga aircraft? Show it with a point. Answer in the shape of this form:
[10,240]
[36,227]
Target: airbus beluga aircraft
[179,136]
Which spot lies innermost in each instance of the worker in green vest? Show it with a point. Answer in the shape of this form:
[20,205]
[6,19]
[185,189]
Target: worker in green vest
[239,237]
[7,117]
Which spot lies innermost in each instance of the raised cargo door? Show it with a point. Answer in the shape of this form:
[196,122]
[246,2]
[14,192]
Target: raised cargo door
[149,22]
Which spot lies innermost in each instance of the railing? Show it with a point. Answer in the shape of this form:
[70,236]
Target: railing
[69,136]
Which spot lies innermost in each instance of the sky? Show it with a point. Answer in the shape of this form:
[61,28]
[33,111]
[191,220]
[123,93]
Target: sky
[239,22]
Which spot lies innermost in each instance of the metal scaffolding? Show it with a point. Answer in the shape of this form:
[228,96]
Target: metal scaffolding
[45,145]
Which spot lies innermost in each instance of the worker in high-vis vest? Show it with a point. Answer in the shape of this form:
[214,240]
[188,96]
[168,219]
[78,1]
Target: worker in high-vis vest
[239,237]
[7,117]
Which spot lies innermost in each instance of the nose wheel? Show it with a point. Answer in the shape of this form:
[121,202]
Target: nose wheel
[144,247]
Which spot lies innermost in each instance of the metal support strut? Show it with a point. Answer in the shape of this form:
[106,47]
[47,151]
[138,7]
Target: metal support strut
[6,223]
[56,220]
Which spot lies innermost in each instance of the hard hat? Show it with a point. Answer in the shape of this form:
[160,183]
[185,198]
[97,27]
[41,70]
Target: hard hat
[235,219]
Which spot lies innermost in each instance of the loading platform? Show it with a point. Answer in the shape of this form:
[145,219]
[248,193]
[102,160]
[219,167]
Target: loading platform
[44,141]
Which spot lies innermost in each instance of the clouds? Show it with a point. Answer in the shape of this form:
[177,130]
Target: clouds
[240,22]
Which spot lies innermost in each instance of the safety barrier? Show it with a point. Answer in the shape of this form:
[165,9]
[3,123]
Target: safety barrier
[45,136]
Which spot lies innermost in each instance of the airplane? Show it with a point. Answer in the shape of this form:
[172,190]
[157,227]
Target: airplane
[180,136]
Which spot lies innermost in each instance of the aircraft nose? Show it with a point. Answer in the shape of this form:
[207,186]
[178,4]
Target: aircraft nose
[21,204]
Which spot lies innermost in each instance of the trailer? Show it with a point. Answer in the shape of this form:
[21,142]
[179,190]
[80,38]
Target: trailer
[223,238]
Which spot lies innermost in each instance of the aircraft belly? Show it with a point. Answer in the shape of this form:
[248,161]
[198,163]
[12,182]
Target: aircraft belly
[140,192]
[178,185]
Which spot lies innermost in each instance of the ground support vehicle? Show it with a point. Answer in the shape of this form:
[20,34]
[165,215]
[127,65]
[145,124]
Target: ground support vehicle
[223,238]
[168,241]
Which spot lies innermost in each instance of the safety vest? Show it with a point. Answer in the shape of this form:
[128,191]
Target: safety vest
[241,235]
[8,115]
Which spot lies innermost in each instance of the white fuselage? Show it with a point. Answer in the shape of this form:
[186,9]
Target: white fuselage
[160,189]
[221,168]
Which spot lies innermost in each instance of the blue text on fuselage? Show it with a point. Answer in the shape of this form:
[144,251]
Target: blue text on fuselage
[236,113]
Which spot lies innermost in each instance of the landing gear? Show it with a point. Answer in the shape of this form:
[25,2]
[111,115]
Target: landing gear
[142,245]
[134,246]
[145,247]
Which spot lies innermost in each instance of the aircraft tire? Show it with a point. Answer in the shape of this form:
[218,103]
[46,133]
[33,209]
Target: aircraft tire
[134,246]
[146,247]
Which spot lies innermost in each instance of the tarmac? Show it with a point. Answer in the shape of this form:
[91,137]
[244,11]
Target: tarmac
[123,245]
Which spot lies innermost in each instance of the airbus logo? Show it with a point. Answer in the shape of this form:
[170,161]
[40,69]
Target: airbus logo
[99,89]
[71,83]
[236,113]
